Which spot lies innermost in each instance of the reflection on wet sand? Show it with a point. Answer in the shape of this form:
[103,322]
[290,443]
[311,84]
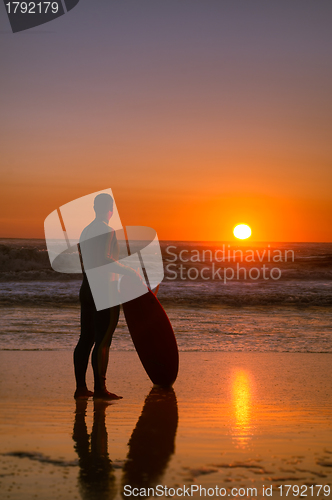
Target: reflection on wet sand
[152,442]
[283,410]
[96,478]
[151,446]
[242,404]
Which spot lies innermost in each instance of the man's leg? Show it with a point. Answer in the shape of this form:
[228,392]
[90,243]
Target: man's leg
[105,323]
[83,349]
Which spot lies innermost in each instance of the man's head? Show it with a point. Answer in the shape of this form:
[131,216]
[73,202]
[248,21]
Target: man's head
[103,205]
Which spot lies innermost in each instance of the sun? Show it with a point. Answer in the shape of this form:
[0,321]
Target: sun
[242,231]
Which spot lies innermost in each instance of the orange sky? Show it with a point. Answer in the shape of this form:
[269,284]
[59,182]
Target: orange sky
[197,118]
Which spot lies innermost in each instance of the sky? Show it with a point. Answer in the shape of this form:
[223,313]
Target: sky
[199,114]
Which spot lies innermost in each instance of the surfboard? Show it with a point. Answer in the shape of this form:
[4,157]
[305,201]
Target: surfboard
[152,334]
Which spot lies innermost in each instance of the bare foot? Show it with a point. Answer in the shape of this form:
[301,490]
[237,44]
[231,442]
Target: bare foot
[82,393]
[105,395]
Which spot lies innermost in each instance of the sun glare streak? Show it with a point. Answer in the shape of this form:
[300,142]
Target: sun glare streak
[241,391]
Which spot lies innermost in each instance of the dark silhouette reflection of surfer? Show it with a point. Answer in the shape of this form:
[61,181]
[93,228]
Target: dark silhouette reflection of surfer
[152,442]
[96,477]
[151,446]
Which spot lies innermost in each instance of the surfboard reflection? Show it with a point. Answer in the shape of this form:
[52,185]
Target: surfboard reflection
[96,478]
[152,442]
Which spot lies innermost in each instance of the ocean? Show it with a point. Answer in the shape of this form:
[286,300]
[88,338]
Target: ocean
[219,297]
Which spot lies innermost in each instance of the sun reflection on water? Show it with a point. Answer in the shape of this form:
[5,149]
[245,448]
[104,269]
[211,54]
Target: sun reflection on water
[242,406]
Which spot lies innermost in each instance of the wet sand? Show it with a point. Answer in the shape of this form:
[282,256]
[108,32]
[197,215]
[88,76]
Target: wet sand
[234,420]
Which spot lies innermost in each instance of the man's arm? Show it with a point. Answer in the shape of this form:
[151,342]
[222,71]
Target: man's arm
[98,251]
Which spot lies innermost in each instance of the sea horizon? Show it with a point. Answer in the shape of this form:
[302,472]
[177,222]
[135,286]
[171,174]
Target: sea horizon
[240,242]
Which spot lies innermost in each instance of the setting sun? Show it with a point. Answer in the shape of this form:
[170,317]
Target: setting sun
[242,231]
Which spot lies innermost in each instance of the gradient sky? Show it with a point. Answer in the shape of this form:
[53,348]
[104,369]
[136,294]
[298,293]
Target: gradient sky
[198,114]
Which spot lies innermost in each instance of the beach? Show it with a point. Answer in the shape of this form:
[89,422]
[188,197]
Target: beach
[234,420]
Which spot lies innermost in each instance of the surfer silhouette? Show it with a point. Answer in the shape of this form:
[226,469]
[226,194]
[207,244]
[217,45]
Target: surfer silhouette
[98,247]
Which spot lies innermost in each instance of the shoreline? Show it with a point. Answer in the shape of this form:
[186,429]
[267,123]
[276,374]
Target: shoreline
[216,329]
